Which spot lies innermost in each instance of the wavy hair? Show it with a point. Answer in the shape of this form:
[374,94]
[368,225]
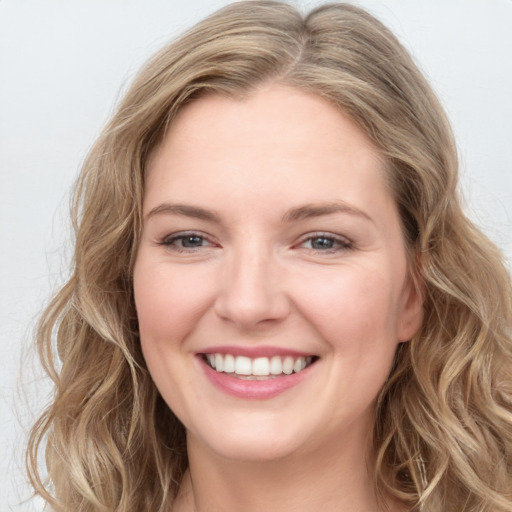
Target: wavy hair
[443,430]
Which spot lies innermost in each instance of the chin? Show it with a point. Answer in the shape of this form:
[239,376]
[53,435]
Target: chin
[251,443]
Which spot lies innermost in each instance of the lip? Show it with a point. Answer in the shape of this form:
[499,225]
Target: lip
[252,389]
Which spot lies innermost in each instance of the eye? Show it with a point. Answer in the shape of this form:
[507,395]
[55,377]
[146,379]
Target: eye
[186,242]
[324,242]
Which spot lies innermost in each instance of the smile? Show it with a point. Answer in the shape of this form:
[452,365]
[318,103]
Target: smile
[259,368]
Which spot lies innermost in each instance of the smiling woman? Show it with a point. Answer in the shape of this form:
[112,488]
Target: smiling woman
[277,303]
[304,246]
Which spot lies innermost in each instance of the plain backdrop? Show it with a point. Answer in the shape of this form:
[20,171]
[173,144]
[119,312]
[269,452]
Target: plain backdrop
[63,65]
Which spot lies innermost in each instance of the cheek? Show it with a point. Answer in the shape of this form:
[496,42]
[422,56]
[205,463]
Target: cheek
[353,307]
[356,315]
[169,303]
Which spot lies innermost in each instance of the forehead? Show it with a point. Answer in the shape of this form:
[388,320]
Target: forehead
[273,113]
[278,140]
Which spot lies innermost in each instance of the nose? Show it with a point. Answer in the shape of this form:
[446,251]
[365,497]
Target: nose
[252,291]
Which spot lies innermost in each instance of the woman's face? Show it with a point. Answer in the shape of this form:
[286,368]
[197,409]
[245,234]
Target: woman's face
[271,242]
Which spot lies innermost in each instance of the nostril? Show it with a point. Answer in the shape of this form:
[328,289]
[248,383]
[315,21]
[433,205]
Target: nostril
[250,310]
[251,293]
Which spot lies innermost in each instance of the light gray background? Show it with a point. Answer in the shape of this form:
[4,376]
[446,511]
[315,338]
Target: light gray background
[62,67]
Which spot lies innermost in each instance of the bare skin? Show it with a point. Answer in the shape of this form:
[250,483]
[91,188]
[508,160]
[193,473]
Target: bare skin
[325,479]
[269,227]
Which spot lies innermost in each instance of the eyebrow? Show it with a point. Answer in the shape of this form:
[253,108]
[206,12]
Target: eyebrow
[318,210]
[184,210]
[299,213]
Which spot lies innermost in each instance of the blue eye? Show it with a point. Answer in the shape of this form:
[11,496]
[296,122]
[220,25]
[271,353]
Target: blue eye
[186,242]
[191,241]
[322,243]
[326,243]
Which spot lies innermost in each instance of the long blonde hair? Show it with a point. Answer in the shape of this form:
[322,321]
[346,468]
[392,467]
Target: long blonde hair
[443,432]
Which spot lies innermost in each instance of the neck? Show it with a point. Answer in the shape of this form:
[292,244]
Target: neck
[331,479]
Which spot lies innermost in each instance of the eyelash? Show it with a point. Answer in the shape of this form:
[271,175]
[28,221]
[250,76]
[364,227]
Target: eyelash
[339,244]
[170,241]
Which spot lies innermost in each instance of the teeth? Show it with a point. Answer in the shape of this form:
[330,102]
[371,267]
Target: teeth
[276,366]
[299,364]
[242,365]
[288,364]
[261,367]
[219,362]
[229,363]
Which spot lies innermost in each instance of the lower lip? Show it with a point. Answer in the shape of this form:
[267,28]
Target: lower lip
[253,389]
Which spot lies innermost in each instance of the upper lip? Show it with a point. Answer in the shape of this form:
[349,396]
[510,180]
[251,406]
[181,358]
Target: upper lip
[254,351]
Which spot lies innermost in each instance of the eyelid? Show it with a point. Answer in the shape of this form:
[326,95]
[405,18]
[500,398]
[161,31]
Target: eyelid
[343,242]
[168,240]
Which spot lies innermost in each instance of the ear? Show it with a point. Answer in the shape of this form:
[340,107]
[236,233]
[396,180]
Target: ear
[411,315]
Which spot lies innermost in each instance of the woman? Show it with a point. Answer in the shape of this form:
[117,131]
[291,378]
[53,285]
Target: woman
[277,302]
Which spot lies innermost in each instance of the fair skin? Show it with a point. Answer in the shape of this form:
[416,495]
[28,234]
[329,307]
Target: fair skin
[270,233]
